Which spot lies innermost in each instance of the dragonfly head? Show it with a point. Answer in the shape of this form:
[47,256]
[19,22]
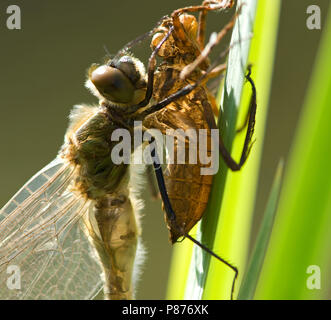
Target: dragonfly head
[121,81]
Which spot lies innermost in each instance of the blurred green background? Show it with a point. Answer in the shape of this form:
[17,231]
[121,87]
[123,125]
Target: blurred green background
[43,68]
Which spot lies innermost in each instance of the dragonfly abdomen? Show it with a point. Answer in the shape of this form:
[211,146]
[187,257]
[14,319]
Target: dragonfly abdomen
[115,238]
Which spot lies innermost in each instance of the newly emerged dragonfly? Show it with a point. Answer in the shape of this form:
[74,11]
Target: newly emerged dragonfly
[74,227]
[75,219]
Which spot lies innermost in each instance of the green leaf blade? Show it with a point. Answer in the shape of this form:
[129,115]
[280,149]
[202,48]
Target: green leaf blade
[251,277]
[302,233]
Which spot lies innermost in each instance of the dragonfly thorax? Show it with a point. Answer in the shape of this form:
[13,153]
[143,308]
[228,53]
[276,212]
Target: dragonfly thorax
[88,146]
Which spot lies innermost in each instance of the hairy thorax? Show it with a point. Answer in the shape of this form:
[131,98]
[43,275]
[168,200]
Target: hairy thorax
[88,146]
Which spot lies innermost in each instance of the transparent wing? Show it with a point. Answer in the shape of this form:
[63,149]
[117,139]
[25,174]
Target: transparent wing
[44,247]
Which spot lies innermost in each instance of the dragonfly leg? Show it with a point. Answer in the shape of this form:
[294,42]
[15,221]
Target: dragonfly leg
[150,77]
[231,163]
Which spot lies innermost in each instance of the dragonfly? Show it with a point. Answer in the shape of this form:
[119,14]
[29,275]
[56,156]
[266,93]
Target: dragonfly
[73,228]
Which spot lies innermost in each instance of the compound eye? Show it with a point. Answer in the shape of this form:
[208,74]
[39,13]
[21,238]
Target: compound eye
[128,67]
[112,84]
